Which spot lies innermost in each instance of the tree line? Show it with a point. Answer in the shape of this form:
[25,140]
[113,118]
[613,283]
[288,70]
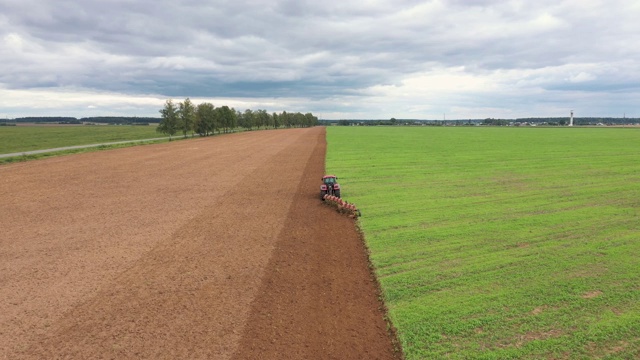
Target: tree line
[549,121]
[206,119]
[583,120]
[120,120]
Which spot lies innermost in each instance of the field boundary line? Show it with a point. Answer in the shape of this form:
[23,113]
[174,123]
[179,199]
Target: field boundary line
[75,147]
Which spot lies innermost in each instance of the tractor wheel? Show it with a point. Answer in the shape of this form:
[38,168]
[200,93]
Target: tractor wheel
[322,194]
[337,193]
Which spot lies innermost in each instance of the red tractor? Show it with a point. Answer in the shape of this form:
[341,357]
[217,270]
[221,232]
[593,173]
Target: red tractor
[329,186]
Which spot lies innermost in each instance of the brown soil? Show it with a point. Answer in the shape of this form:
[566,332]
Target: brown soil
[208,248]
[317,300]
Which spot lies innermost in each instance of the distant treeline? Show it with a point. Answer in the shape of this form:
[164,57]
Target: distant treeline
[402,122]
[550,121]
[582,120]
[115,120]
[206,119]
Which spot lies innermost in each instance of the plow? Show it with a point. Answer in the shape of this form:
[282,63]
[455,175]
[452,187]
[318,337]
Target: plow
[330,194]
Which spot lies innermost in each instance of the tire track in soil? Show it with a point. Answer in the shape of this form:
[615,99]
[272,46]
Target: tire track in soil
[318,299]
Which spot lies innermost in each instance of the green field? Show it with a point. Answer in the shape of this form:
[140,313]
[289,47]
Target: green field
[25,138]
[501,243]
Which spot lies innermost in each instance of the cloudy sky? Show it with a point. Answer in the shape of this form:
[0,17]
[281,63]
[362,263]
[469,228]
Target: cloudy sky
[337,59]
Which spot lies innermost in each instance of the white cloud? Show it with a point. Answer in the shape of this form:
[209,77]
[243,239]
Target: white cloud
[582,77]
[547,22]
[13,42]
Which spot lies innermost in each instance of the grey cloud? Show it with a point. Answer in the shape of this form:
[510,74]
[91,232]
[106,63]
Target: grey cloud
[305,48]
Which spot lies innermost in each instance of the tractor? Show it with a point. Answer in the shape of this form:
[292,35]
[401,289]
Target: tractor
[329,186]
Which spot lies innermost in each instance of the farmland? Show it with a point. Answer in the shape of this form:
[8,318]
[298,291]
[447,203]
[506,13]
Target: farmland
[212,248]
[26,138]
[501,242]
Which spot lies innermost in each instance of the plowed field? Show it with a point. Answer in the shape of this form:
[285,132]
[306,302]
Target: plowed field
[212,248]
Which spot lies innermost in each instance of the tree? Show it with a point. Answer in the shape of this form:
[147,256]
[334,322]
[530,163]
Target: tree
[227,118]
[310,120]
[268,119]
[249,119]
[169,123]
[495,122]
[186,116]
[206,120]
[298,119]
[276,120]
[262,118]
[240,120]
[286,119]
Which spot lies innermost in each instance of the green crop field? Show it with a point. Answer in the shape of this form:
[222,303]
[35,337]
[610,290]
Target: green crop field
[25,138]
[501,243]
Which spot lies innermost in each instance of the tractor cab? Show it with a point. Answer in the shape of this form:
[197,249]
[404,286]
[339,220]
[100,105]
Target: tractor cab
[329,179]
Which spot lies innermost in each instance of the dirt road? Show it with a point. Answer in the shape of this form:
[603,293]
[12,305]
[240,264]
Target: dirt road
[44,151]
[211,248]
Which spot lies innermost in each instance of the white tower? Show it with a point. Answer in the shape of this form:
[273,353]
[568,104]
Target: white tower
[571,119]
